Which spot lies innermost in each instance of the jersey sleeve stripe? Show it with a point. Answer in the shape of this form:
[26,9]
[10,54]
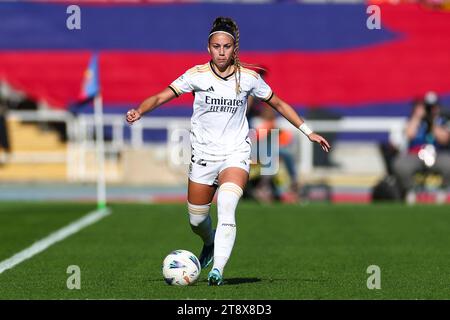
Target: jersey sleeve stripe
[173,88]
[268,97]
[198,69]
[250,72]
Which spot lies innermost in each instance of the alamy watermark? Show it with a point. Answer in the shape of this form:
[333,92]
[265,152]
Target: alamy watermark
[374,20]
[264,151]
[73,21]
[374,280]
[74,280]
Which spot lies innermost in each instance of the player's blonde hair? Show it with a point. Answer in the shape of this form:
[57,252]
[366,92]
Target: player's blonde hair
[228,25]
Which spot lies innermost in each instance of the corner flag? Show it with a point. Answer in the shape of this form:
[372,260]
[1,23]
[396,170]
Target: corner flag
[90,89]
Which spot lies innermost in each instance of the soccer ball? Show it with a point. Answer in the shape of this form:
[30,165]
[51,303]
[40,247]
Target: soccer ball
[181,268]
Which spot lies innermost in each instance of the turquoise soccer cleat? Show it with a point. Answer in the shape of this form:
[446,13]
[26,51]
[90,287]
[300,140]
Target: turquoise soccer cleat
[215,278]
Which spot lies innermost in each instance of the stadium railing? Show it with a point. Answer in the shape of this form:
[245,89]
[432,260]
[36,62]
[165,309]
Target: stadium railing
[80,132]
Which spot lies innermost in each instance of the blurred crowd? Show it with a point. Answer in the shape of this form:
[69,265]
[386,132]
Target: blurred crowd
[424,163]
[421,165]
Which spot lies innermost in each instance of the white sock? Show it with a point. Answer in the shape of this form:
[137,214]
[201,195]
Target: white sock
[227,200]
[200,221]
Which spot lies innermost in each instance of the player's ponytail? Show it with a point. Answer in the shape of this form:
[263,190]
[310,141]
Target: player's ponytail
[228,25]
[237,61]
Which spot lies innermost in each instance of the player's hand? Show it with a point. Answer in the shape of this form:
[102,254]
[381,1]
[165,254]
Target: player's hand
[314,137]
[133,115]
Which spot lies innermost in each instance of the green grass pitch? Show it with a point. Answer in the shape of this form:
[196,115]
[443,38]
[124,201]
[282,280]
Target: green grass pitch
[316,251]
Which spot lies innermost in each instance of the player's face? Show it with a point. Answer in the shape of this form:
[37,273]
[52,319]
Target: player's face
[221,48]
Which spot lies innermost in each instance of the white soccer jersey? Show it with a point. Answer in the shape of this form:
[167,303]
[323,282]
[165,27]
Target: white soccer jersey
[219,125]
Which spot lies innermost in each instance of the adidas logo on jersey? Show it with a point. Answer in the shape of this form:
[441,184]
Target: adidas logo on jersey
[210,89]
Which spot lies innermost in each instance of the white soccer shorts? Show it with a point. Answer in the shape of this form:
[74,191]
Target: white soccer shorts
[207,171]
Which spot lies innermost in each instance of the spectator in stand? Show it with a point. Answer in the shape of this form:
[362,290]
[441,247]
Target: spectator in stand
[428,137]
[267,189]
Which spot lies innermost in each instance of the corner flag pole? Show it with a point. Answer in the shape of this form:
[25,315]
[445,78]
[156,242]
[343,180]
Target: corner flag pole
[100,146]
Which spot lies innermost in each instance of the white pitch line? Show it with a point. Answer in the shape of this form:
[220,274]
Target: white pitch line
[53,238]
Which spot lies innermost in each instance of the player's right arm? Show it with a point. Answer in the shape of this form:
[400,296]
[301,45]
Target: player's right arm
[150,104]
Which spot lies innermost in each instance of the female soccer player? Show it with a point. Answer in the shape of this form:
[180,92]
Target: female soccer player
[219,138]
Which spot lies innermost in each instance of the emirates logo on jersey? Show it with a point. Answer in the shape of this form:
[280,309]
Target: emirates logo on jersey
[223,101]
[223,105]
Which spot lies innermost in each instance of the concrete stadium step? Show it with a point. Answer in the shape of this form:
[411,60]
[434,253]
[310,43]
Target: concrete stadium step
[38,155]
[56,172]
[22,172]
[29,137]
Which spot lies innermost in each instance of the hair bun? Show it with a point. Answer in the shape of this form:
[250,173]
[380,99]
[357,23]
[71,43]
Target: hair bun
[220,21]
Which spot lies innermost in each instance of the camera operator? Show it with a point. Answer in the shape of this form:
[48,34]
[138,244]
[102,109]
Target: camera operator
[428,139]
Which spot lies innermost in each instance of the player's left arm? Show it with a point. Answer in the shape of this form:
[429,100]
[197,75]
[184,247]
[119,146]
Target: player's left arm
[291,115]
